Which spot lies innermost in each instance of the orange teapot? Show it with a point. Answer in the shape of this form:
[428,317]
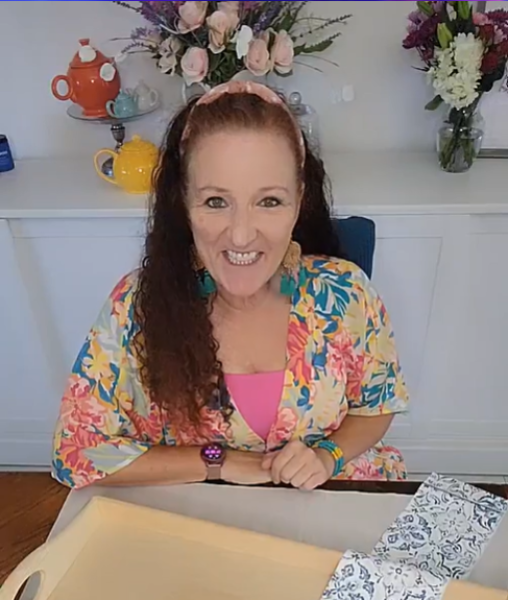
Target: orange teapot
[92,81]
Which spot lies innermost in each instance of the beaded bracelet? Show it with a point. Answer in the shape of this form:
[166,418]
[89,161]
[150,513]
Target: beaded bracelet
[336,453]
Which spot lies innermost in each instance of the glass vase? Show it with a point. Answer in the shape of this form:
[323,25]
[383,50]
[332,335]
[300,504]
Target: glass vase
[460,138]
[308,120]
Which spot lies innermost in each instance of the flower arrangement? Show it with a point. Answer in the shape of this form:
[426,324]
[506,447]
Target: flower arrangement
[464,54]
[211,42]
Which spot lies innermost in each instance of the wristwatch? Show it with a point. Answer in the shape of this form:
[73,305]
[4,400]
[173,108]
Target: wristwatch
[213,455]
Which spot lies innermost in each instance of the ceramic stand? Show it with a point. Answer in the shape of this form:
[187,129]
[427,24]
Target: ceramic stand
[117,128]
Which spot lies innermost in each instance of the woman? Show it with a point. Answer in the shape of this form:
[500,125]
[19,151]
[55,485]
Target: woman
[243,349]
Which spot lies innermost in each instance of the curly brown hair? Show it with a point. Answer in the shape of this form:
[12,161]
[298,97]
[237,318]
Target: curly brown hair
[176,348]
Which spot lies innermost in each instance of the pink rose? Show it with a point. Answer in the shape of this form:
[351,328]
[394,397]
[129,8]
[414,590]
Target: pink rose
[232,9]
[220,26]
[283,53]
[258,57]
[192,16]
[194,65]
[480,19]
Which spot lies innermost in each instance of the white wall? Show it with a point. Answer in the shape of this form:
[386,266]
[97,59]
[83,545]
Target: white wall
[37,40]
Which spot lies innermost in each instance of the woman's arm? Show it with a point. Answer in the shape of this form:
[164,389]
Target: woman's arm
[356,435]
[375,392]
[308,468]
[163,465]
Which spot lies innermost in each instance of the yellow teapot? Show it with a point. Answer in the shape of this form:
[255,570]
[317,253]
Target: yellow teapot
[133,165]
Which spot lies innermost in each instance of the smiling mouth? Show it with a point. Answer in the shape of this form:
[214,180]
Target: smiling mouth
[242,259]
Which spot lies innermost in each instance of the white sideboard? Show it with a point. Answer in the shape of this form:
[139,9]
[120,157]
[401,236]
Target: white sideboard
[441,265]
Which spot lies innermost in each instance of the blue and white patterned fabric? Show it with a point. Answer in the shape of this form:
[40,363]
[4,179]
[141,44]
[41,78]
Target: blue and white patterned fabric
[445,528]
[363,577]
[440,536]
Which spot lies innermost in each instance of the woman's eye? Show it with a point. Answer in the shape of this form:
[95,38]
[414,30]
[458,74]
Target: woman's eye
[215,203]
[270,202]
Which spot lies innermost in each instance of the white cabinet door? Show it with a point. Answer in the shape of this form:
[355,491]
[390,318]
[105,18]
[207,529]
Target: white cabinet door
[473,360]
[72,266]
[405,272]
[27,385]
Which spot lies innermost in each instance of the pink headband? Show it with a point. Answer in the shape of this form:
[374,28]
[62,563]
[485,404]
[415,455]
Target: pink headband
[247,87]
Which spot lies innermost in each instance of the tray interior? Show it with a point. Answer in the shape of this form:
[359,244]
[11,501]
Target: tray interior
[115,550]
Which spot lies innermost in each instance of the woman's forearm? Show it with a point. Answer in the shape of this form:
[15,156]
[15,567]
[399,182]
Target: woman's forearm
[358,434]
[161,465]
[164,465]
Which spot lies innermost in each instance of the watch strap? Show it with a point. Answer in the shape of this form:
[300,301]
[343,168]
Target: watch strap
[213,472]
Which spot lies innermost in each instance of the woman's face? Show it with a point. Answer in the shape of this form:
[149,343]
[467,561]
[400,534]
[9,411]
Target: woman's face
[244,199]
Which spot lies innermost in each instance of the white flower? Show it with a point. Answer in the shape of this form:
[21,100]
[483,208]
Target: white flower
[170,45]
[107,72]
[168,51]
[452,13]
[457,72]
[167,64]
[242,40]
[468,52]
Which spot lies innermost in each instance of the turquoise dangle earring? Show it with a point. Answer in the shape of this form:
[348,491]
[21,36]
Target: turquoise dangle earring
[206,283]
[291,270]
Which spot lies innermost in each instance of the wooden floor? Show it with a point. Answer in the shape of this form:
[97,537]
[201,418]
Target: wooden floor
[29,505]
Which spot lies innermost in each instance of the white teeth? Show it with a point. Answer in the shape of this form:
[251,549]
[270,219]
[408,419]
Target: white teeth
[242,258]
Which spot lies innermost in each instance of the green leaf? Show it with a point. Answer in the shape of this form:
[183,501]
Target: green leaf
[434,103]
[289,15]
[319,47]
[464,10]
[425,8]
[444,35]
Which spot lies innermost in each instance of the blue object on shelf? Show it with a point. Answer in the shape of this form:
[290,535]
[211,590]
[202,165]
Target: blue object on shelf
[6,160]
[357,237]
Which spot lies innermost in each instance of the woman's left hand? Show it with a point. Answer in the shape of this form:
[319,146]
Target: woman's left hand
[300,466]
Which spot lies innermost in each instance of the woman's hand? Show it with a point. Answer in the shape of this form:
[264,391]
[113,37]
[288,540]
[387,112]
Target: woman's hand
[244,468]
[300,466]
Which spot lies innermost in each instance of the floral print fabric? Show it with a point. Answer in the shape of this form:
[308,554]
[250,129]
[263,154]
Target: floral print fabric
[440,536]
[445,529]
[341,360]
[363,577]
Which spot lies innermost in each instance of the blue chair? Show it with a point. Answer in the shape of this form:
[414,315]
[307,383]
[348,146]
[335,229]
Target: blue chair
[357,236]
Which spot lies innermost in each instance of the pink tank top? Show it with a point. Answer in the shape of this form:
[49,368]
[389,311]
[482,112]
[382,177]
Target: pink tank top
[257,397]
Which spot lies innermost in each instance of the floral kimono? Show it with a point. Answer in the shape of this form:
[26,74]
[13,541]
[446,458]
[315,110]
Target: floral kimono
[341,360]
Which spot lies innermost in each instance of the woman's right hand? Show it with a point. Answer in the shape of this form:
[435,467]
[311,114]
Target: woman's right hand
[244,468]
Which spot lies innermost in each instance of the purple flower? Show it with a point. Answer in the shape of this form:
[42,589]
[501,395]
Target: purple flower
[139,32]
[250,5]
[499,18]
[438,6]
[423,35]
[267,17]
[416,18]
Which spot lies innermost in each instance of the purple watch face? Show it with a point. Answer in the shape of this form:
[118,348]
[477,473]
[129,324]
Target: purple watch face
[212,454]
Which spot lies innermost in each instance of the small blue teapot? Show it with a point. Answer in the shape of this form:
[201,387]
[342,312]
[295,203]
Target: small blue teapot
[123,106]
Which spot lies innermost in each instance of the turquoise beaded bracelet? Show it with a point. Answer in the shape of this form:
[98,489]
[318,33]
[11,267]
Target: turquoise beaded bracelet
[336,453]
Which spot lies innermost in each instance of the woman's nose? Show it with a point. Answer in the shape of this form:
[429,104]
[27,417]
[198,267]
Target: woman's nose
[242,230]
